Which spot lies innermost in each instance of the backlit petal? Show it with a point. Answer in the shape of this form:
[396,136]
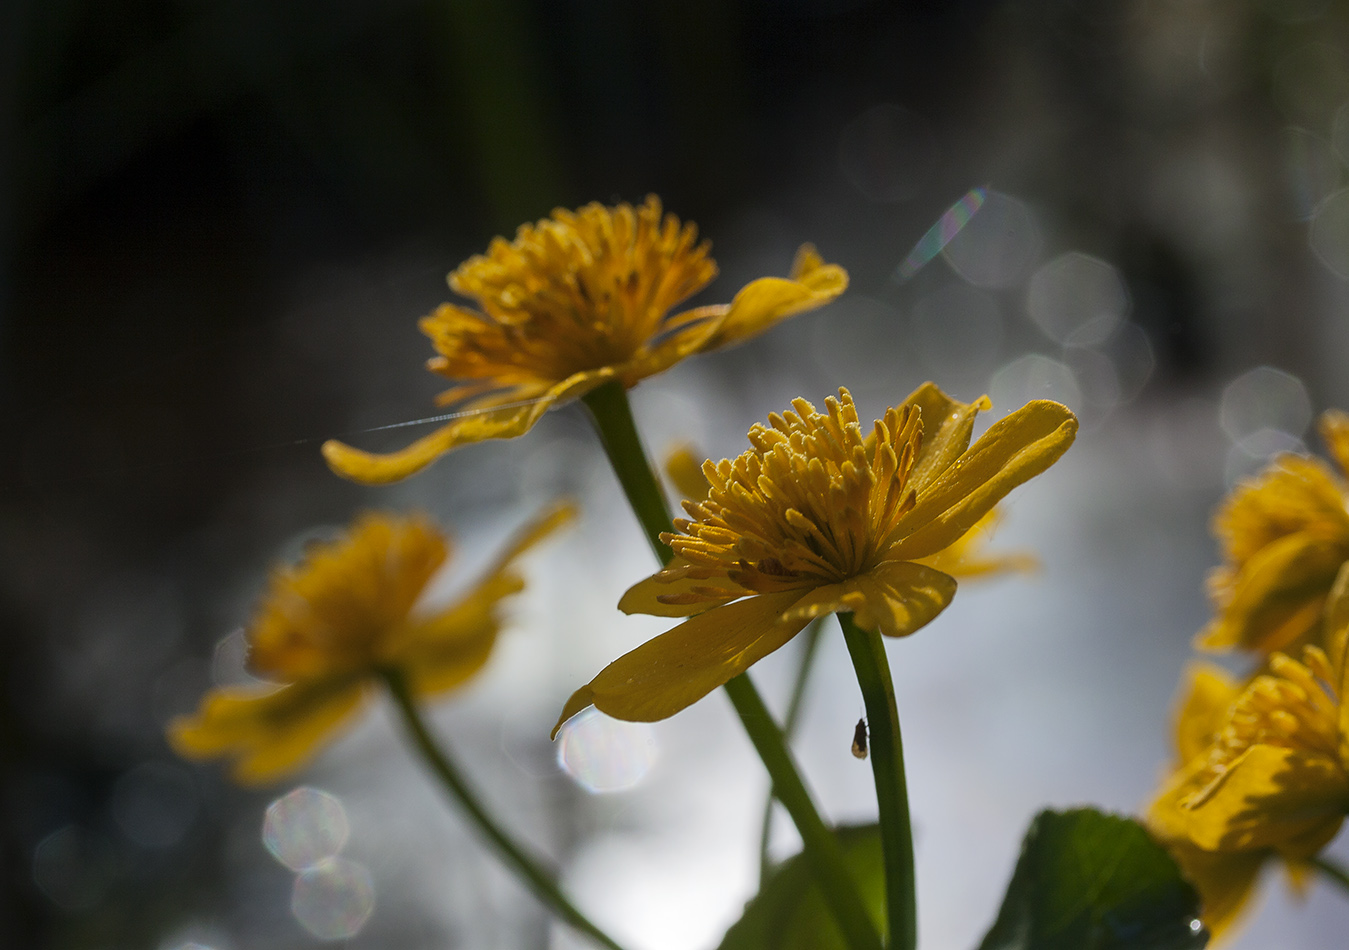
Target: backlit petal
[1013,450]
[1208,694]
[674,592]
[680,667]
[947,425]
[895,597]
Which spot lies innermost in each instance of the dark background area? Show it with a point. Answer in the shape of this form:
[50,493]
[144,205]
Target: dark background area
[219,221]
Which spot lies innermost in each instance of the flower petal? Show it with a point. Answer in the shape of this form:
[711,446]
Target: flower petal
[763,302]
[1272,798]
[680,590]
[1334,429]
[947,425]
[1278,596]
[268,732]
[681,666]
[895,597]
[1013,450]
[1225,881]
[1209,693]
[497,422]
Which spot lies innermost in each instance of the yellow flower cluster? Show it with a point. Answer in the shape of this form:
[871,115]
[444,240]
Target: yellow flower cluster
[1263,766]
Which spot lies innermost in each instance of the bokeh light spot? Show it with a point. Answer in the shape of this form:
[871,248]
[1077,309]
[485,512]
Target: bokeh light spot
[999,245]
[1130,350]
[1077,299]
[958,330]
[1330,233]
[602,754]
[1034,377]
[305,827]
[1264,398]
[333,899]
[154,804]
[73,868]
[1311,171]
[888,152]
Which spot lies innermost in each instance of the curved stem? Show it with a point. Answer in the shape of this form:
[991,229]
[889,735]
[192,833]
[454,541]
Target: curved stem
[612,416]
[887,767]
[1332,871]
[794,704]
[822,849]
[528,868]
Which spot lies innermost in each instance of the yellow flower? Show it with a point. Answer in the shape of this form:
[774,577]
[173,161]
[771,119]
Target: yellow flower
[328,628]
[1263,776]
[574,301]
[1285,538]
[817,517]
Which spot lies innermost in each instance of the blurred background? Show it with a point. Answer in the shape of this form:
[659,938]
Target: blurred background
[219,223]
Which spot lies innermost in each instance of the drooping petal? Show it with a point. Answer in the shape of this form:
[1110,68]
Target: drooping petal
[947,425]
[1012,451]
[498,422]
[764,302]
[895,597]
[268,732]
[1278,596]
[680,667]
[1207,695]
[1269,798]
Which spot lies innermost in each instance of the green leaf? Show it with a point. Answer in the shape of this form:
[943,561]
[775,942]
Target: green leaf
[1091,881]
[788,913]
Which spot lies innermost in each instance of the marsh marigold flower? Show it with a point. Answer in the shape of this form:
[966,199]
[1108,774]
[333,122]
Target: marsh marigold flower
[577,300]
[1285,539]
[820,516]
[1264,774]
[328,628]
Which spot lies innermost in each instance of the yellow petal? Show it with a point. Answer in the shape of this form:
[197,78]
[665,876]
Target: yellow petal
[268,732]
[674,592]
[498,422]
[1335,632]
[1271,797]
[681,666]
[1209,694]
[684,468]
[947,424]
[1225,881]
[1013,450]
[1334,428]
[895,597]
[1278,596]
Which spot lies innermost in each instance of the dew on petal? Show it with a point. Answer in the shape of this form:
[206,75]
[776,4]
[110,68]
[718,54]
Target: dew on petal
[154,804]
[999,245]
[305,827]
[333,899]
[1077,299]
[602,754]
[1264,398]
[888,152]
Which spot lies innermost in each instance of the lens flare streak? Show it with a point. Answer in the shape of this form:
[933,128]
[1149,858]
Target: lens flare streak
[941,233]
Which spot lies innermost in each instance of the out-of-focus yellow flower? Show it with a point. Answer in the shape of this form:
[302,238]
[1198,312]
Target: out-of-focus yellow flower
[574,301]
[820,516]
[1262,776]
[329,628]
[1285,538]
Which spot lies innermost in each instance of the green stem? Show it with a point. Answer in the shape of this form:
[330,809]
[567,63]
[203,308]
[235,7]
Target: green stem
[887,766]
[822,849]
[529,868]
[811,637]
[612,415]
[1332,871]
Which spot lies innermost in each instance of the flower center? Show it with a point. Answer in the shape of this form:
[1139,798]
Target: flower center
[812,502]
[575,292]
[1291,707]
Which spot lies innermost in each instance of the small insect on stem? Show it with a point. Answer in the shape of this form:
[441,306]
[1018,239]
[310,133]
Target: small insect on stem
[859,739]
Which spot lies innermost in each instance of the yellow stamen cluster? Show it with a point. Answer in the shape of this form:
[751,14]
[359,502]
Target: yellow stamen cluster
[813,502]
[1291,707]
[578,291]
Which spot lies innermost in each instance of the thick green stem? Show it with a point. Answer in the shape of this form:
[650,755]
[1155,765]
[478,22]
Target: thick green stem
[612,415]
[1332,871]
[887,766]
[528,868]
[822,849]
[810,641]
